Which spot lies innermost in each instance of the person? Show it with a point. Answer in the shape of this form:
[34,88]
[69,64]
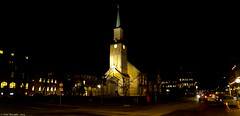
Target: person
[148,99]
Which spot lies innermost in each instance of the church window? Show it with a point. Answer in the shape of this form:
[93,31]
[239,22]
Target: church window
[123,46]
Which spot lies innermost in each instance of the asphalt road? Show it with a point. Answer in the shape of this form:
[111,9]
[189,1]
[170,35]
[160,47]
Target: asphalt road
[182,107]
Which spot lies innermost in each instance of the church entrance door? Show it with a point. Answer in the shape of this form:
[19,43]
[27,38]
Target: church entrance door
[113,86]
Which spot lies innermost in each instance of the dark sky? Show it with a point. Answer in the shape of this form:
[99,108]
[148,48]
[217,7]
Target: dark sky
[200,37]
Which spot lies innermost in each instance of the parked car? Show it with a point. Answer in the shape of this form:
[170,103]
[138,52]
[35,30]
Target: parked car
[223,99]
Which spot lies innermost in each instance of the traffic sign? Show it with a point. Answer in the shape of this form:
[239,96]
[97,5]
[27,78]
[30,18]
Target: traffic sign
[60,84]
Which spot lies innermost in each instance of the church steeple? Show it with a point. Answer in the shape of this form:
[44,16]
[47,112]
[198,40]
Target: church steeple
[118,18]
[118,31]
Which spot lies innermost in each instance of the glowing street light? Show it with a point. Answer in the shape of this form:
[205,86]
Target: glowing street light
[237,80]
[99,86]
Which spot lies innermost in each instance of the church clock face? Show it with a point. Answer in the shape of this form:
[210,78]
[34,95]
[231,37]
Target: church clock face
[115,45]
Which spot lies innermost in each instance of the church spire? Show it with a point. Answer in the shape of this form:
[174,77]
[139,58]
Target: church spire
[118,18]
[118,31]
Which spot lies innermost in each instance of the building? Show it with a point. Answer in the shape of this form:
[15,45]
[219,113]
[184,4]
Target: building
[14,73]
[17,77]
[86,85]
[123,79]
[44,85]
[234,81]
[184,85]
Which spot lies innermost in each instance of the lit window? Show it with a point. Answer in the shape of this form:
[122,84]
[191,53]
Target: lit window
[48,80]
[12,85]
[47,88]
[190,84]
[52,81]
[39,89]
[12,54]
[123,46]
[55,88]
[1,52]
[51,88]
[26,57]
[43,80]
[11,93]
[83,82]
[1,93]
[32,88]
[26,87]
[21,85]
[40,79]
[12,74]
[55,82]
[25,93]
[3,84]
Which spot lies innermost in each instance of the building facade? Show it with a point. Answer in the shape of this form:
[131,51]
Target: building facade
[17,77]
[184,85]
[86,85]
[234,81]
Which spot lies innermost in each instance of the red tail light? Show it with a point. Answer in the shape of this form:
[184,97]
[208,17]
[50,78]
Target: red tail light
[205,96]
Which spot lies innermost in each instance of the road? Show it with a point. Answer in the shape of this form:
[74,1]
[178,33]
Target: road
[182,107]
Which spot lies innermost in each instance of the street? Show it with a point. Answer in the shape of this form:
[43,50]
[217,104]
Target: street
[181,107]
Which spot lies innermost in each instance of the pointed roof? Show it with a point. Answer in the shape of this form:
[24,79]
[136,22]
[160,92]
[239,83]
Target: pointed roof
[118,18]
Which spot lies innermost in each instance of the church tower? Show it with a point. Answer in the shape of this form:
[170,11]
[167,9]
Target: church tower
[118,51]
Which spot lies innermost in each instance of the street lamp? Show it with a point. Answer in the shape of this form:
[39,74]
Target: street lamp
[99,86]
[237,80]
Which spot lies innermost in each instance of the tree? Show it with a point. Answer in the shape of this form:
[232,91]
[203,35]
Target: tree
[81,90]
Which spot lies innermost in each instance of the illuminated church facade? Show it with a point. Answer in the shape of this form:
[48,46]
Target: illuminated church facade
[123,79]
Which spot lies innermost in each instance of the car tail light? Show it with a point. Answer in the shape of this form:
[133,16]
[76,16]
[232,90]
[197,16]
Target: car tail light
[205,96]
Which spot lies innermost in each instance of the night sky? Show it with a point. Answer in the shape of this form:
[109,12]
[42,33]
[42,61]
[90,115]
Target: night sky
[75,37]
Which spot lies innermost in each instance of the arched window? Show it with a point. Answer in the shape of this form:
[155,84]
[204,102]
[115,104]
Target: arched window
[3,84]
[12,85]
